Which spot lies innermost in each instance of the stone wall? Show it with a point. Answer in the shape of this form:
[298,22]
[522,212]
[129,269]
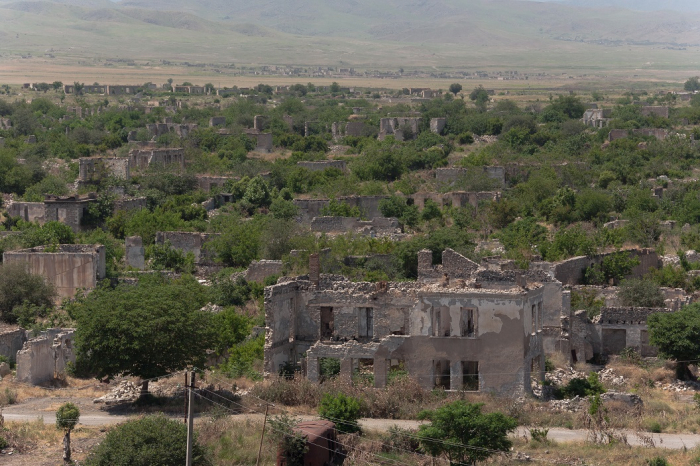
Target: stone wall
[437,125]
[451,175]
[310,208]
[93,169]
[45,358]
[135,253]
[659,111]
[399,127]
[127,204]
[144,158]
[258,271]
[11,341]
[188,242]
[323,164]
[70,268]
[217,121]
[377,226]
[28,211]
[454,266]
[658,133]
[206,182]
[455,199]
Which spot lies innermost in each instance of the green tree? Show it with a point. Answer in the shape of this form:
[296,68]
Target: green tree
[677,336]
[67,417]
[155,327]
[455,88]
[341,409]
[636,292]
[335,87]
[21,291]
[463,434]
[479,96]
[153,440]
[692,84]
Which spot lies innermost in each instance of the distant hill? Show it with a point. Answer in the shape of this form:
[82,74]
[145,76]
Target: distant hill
[639,5]
[506,33]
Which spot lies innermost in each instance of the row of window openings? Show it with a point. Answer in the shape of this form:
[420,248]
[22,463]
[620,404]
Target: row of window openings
[441,324]
[469,380]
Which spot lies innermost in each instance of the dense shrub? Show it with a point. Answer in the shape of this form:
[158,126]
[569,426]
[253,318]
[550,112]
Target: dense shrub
[343,410]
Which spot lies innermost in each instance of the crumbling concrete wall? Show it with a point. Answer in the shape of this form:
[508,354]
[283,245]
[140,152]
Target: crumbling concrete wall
[28,211]
[659,111]
[618,328]
[437,125]
[217,121]
[310,208]
[93,169]
[45,358]
[376,226]
[127,204]
[11,341]
[401,128]
[69,210]
[571,271]
[447,176]
[323,164]
[144,158]
[135,253]
[258,271]
[69,268]
[658,133]
[188,242]
[454,266]
[455,199]
[207,182]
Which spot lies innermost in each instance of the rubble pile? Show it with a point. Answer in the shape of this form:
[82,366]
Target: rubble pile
[124,392]
[679,386]
[608,377]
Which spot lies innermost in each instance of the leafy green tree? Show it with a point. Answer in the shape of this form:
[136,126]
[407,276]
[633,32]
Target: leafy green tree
[67,417]
[51,233]
[341,409]
[568,105]
[152,440]
[257,193]
[455,88]
[479,96]
[155,327]
[337,208]
[635,292]
[20,291]
[335,87]
[692,84]
[677,336]
[460,432]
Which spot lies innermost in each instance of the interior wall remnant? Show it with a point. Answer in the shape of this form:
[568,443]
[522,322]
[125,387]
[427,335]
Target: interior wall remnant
[327,323]
[614,340]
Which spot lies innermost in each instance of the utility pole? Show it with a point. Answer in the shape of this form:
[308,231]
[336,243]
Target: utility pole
[187,394]
[262,436]
[190,420]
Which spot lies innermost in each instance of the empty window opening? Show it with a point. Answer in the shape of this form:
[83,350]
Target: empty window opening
[327,326]
[403,330]
[363,372]
[574,359]
[540,322]
[396,369]
[442,374]
[328,368]
[366,322]
[441,322]
[470,376]
[534,318]
[468,324]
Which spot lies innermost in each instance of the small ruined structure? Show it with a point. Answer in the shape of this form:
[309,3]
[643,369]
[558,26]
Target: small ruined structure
[144,158]
[263,140]
[69,267]
[65,209]
[455,199]
[437,125]
[610,333]
[310,208]
[355,128]
[217,121]
[457,327]
[658,133]
[597,117]
[187,242]
[258,271]
[93,169]
[658,111]
[402,128]
[377,227]
[207,182]
[46,357]
[180,129]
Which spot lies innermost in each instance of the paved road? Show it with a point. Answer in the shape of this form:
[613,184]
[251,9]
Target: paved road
[670,441]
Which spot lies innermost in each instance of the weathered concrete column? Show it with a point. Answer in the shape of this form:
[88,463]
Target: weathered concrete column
[380,372]
[456,379]
[312,369]
[346,370]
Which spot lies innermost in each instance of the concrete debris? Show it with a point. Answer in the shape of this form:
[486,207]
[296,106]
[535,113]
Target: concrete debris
[124,392]
[679,386]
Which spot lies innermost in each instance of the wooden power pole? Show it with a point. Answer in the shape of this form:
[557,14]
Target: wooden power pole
[190,420]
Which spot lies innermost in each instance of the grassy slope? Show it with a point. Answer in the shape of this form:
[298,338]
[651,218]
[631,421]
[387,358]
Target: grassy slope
[472,34]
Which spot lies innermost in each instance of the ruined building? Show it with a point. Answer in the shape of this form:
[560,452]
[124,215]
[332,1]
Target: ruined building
[457,326]
[65,209]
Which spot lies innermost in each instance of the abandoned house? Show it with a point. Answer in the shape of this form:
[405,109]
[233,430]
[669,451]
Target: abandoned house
[457,327]
[69,267]
[68,209]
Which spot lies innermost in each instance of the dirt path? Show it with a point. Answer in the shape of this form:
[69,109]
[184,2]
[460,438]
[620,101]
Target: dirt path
[95,415]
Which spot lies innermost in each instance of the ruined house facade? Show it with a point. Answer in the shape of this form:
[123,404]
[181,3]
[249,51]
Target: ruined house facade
[457,327]
[65,209]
